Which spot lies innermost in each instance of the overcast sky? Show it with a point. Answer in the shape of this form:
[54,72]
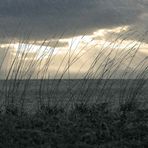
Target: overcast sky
[45,19]
[48,17]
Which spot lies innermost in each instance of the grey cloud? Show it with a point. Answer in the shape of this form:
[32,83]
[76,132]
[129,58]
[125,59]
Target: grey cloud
[54,43]
[138,30]
[45,18]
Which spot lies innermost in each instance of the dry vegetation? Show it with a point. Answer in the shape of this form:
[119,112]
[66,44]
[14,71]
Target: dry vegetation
[77,122]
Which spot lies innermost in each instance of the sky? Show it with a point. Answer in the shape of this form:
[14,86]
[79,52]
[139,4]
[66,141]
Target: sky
[70,27]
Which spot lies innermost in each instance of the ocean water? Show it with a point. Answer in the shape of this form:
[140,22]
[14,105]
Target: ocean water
[34,92]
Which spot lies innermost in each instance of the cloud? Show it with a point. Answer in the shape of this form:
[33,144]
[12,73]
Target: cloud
[36,20]
[138,30]
[46,18]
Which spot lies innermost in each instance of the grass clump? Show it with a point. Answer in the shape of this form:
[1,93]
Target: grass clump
[69,113]
[83,126]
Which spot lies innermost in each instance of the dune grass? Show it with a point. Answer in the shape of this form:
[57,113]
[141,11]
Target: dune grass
[79,121]
[107,63]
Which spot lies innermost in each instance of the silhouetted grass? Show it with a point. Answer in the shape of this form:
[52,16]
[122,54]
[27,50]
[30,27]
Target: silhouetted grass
[108,62]
[75,118]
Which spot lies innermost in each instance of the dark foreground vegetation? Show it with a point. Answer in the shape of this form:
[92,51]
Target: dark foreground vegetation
[81,127]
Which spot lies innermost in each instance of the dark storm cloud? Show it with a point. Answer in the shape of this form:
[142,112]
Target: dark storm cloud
[46,18]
